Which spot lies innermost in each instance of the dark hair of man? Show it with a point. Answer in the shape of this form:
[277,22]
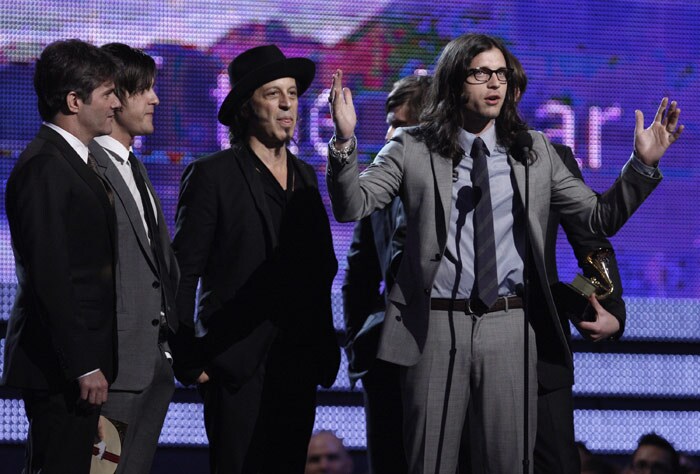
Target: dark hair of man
[136,70]
[442,119]
[653,439]
[69,66]
[519,78]
[412,91]
[240,120]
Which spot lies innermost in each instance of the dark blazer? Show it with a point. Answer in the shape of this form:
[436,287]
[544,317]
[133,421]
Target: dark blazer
[583,241]
[62,324]
[373,257]
[254,286]
[139,284]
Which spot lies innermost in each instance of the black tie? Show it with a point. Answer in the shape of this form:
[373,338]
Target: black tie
[485,271]
[92,163]
[154,236]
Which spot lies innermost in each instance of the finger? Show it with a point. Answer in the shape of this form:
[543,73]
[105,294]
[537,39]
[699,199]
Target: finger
[673,116]
[587,326]
[639,122]
[92,397]
[595,303]
[660,111]
[677,133]
[347,96]
[338,81]
[668,113]
[84,392]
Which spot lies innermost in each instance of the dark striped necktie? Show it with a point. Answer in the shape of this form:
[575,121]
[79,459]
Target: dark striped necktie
[485,271]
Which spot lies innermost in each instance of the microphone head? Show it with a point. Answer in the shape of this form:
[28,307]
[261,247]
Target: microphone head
[523,140]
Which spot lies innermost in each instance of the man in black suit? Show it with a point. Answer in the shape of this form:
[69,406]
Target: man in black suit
[146,269]
[60,347]
[252,229]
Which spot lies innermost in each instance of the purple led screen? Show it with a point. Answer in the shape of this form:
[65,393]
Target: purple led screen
[590,64]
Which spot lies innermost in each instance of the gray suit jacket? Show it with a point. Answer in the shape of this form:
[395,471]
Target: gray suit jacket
[423,180]
[138,286]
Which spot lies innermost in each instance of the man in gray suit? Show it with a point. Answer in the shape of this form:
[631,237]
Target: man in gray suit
[455,314]
[146,271]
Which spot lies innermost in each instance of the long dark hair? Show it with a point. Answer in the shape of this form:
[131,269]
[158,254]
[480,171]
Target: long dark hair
[441,122]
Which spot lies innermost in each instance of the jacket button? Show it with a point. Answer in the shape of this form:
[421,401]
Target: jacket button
[437,256]
[398,318]
[155,322]
[426,291]
[156,285]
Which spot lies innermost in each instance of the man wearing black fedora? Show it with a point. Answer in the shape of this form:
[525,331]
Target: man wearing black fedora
[252,231]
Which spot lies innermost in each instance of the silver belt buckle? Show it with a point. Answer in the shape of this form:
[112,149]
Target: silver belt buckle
[468,306]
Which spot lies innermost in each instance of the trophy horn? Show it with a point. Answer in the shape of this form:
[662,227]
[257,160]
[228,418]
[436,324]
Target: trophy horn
[599,259]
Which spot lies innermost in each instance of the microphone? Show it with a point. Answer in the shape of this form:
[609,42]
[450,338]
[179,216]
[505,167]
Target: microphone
[522,146]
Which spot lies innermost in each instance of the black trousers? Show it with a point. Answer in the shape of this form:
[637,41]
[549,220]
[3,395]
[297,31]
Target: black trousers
[384,418]
[62,431]
[263,426]
[555,451]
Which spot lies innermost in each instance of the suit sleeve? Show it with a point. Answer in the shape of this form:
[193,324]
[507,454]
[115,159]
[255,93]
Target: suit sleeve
[42,200]
[195,225]
[355,196]
[583,241]
[361,295]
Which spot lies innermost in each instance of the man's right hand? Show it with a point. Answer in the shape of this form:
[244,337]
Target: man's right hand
[203,378]
[342,109]
[93,388]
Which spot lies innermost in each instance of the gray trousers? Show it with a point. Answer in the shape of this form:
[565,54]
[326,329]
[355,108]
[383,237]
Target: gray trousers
[469,381]
[144,412]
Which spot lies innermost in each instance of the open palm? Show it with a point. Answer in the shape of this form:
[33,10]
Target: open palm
[651,143]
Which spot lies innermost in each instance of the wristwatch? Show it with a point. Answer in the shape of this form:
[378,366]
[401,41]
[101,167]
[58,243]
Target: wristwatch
[342,155]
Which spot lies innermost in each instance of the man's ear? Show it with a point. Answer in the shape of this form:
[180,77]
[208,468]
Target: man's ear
[73,102]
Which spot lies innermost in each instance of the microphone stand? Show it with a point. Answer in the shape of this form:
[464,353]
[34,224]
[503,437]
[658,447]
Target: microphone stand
[526,318]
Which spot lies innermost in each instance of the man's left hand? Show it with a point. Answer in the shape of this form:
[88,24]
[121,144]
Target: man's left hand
[651,143]
[604,326]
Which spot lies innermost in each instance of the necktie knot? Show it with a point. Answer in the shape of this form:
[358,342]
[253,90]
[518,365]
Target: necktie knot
[479,149]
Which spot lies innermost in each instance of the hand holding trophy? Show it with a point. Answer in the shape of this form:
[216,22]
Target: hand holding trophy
[572,299]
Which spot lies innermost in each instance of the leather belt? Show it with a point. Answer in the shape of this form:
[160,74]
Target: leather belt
[503,303]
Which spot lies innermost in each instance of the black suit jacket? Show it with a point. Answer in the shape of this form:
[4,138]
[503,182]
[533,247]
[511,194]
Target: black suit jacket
[255,288]
[62,224]
[553,373]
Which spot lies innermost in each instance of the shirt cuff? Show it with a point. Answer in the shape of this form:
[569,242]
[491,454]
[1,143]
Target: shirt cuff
[641,168]
[88,373]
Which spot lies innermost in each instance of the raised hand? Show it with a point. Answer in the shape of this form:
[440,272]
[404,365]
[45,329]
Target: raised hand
[651,143]
[342,109]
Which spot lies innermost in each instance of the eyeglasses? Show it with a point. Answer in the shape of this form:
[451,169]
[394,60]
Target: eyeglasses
[481,75]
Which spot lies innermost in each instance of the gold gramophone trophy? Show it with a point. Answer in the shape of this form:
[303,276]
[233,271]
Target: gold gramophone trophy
[572,299]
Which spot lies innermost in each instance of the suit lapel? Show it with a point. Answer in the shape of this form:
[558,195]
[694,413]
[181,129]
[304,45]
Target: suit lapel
[85,173]
[245,162]
[115,180]
[442,170]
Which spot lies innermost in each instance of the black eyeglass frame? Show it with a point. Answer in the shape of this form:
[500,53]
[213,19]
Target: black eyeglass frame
[503,75]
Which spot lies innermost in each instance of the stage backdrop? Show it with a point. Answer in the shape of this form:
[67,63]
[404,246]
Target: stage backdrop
[590,64]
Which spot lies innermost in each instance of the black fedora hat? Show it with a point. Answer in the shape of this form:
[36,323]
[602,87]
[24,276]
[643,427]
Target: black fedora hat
[257,66]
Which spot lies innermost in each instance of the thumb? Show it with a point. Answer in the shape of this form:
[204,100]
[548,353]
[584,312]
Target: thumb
[594,302]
